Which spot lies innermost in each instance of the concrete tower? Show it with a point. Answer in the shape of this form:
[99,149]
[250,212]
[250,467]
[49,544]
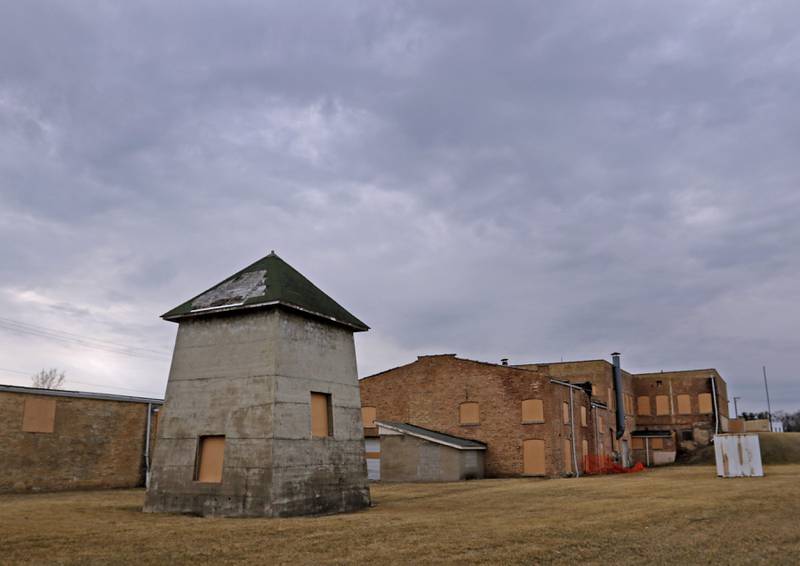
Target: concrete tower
[262,415]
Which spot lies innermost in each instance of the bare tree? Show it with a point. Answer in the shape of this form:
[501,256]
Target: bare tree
[49,379]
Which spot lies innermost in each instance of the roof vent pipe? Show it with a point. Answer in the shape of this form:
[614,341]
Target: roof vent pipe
[619,398]
[504,361]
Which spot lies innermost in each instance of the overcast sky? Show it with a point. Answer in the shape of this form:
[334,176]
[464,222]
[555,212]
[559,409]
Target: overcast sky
[532,180]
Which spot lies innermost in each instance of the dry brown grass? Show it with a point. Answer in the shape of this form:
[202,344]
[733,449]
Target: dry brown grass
[678,515]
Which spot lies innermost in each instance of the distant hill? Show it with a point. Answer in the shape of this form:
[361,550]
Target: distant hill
[776,448]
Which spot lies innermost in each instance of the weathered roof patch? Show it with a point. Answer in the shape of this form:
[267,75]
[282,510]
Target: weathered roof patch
[268,282]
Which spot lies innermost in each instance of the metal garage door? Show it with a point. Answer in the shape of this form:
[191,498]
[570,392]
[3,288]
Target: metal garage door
[372,447]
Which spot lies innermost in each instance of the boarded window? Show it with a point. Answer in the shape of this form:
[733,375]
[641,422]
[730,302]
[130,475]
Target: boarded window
[684,405]
[704,402]
[469,413]
[594,390]
[567,456]
[662,405]
[643,405]
[39,415]
[321,415]
[656,443]
[210,456]
[638,443]
[565,413]
[610,399]
[583,417]
[368,416]
[532,411]
[533,457]
[584,450]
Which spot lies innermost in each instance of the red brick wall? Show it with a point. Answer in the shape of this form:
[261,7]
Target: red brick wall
[95,444]
[428,393]
[676,383]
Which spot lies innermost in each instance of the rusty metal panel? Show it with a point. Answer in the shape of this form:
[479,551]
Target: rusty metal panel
[738,455]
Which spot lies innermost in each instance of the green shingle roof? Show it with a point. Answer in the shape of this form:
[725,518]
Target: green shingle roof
[268,282]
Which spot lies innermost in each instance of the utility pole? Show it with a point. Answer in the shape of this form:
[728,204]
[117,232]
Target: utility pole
[736,407]
[766,388]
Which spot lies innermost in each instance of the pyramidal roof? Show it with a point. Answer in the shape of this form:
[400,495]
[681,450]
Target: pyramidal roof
[268,282]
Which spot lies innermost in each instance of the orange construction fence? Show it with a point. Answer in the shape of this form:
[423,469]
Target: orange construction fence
[593,465]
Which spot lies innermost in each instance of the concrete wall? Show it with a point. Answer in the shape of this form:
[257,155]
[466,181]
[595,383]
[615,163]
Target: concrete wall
[94,444]
[406,458]
[428,392]
[249,377]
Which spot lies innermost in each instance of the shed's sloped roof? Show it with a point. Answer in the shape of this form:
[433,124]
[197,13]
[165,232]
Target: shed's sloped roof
[433,436]
[269,281]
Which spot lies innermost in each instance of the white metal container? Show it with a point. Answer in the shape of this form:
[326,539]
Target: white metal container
[738,455]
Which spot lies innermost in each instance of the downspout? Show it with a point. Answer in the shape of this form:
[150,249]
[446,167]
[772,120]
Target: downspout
[572,433]
[716,408]
[647,450]
[620,401]
[147,446]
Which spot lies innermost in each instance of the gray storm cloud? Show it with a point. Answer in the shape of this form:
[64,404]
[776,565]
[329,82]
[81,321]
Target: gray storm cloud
[531,180]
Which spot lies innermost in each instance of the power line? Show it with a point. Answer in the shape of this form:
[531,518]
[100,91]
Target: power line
[79,340]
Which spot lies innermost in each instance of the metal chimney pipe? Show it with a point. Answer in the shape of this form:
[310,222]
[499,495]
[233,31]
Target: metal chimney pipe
[619,397]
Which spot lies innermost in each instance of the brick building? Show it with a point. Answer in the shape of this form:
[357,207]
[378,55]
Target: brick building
[692,404]
[527,420]
[545,419]
[56,440]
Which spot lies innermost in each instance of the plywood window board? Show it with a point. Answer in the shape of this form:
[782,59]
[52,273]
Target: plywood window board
[662,405]
[533,462]
[638,443]
[368,415]
[39,415]
[532,411]
[585,449]
[584,421]
[469,413]
[321,415]
[684,404]
[643,405]
[210,459]
[657,443]
[704,403]
[565,412]
[567,456]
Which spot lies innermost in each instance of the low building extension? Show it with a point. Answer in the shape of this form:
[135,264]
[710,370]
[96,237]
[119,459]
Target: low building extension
[414,454]
[56,440]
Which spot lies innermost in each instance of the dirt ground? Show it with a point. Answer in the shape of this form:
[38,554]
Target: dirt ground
[676,515]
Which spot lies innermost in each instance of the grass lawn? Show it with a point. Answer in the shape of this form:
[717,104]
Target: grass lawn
[676,515]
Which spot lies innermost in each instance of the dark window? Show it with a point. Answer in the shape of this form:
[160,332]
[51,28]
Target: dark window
[686,435]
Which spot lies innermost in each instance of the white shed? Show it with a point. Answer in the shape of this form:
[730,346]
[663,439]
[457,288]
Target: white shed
[738,455]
